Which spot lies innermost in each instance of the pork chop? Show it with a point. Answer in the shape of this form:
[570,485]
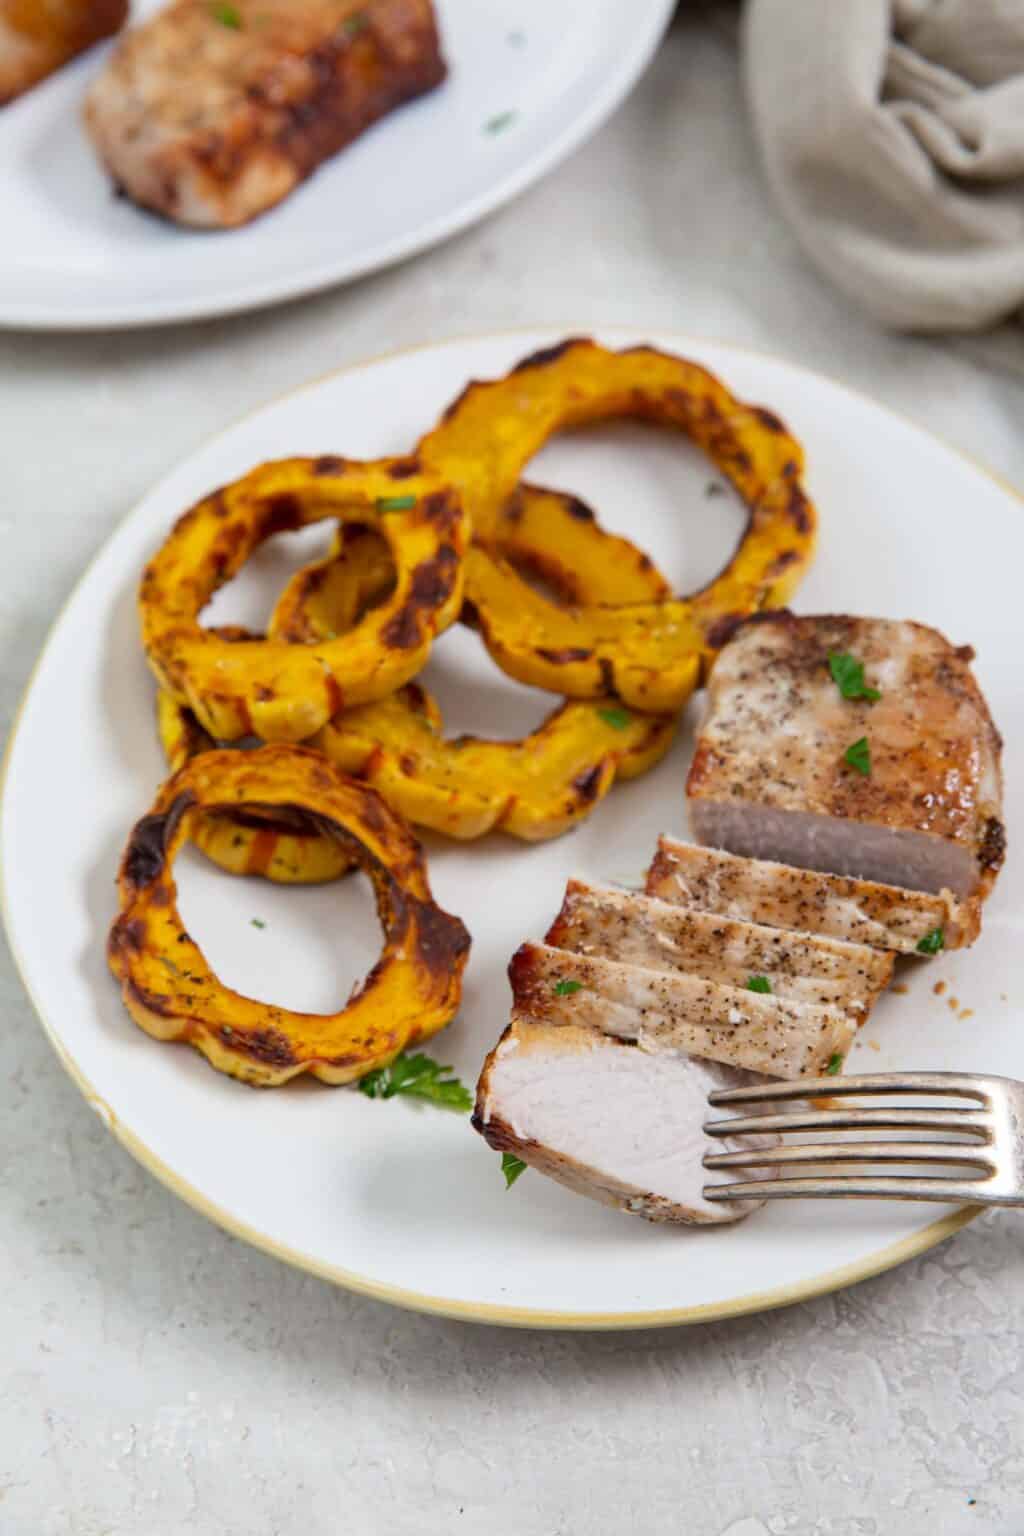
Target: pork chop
[212,113]
[804,901]
[607,1119]
[891,774]
[670,1013]
[656,936]
[39,36]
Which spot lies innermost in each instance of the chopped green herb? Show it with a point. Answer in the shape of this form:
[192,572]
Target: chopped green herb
[511,1167]
[859,756]
[169,965]
[395,503]
[227,15]
[932,942]
[835,1062]
[567,988]
[257,922]
[500,122]
[421,1078]
[618,719]
[759,984]
[848,676]
[714,488]
[354,24]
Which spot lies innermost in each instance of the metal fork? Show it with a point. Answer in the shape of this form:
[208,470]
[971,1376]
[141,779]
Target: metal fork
[992,1159]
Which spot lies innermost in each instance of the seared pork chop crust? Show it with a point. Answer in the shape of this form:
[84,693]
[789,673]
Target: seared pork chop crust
[212,114]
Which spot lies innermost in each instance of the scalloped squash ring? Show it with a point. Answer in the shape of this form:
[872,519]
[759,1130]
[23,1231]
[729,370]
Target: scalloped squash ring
[167,985]
[651,654]
[284,692]
[534,788]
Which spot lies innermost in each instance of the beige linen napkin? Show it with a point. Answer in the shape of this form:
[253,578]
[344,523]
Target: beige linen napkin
[893,135]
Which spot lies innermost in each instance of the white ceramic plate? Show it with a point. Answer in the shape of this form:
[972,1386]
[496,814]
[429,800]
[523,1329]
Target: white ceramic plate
[406,1202]
[73,255]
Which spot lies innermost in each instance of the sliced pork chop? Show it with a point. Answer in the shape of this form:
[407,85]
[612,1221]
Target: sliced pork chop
[39,36]
[920,804]
[802,900]
[775,1036]
[656,936]
[210,114]
[607,1119]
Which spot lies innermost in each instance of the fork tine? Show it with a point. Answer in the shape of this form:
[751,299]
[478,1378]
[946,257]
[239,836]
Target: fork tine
[972,1122]
[952,1083]
[809,1153]
[895,1187]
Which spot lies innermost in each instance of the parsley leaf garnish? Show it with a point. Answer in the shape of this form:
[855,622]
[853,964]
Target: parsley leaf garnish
[354,24]
[932,942]
[257,922]
[511,1167]
[227,15]
[618,719]
[395,503]
[567,988]
[759,984]
[499,123]
[421,1078]
[848,676]
[859,756]
[835,1062]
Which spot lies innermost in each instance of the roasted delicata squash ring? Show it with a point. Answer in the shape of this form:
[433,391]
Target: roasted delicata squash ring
[285,692]
[546,536]
[247,842]
[535,788]
[651,654]
[170,990]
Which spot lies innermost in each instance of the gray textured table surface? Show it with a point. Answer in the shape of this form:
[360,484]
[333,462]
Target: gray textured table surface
[156,1376]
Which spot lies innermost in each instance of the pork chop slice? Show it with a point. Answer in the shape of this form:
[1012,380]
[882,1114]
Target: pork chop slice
[917,803]
[657,936]
[39,36]
[671,1013]
[607,1119]
[210,114]
[805,901]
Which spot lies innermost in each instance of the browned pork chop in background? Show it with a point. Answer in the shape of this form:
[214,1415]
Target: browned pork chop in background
[212,113]
[38,36]
[897,779]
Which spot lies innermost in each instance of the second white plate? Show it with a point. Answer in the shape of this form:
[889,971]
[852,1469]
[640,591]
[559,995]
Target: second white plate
[528,82]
